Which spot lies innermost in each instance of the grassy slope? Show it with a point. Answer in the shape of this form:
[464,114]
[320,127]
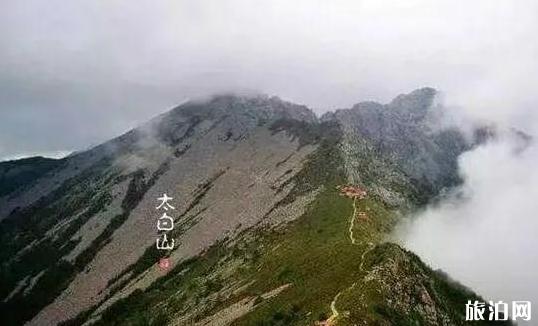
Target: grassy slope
[317,257]
[314,254]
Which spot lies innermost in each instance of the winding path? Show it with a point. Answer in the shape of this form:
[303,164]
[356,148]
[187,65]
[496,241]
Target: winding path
[334,311]
[352,222]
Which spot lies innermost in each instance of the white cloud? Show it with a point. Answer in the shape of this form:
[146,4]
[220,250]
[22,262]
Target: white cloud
[100,67]
[484,234]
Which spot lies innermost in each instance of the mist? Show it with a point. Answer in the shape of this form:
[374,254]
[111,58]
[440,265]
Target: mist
[484,232]
[76,73]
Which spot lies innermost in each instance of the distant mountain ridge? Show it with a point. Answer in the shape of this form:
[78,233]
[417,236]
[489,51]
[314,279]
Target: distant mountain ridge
[16,174]
[264,235]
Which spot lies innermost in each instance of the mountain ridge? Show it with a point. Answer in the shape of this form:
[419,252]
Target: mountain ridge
[247,174]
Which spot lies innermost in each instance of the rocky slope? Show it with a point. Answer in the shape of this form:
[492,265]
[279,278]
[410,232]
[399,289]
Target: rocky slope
[263,234]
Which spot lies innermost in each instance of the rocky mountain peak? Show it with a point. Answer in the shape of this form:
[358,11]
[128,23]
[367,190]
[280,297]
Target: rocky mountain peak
[405,134]
[412,107]
[258,106]
[415,105]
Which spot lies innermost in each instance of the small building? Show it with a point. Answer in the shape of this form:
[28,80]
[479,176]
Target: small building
[354,192]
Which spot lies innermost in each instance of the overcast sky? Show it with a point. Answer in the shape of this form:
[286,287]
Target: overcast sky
[75,73]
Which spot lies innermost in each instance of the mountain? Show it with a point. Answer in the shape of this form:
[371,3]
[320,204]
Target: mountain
[266,231]
[16,174]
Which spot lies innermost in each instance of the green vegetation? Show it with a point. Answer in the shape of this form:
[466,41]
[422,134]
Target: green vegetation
[313,254]
[316,256]
[29,226]
[322,166]
[167,295]
[78,199]
[308,133]
[327,255]
[19,174]
[399,289]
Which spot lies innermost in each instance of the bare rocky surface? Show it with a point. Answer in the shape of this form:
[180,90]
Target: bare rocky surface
[247,163]
[234,165]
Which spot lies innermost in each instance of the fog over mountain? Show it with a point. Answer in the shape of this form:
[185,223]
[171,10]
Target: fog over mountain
[484,232]
[74,74]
